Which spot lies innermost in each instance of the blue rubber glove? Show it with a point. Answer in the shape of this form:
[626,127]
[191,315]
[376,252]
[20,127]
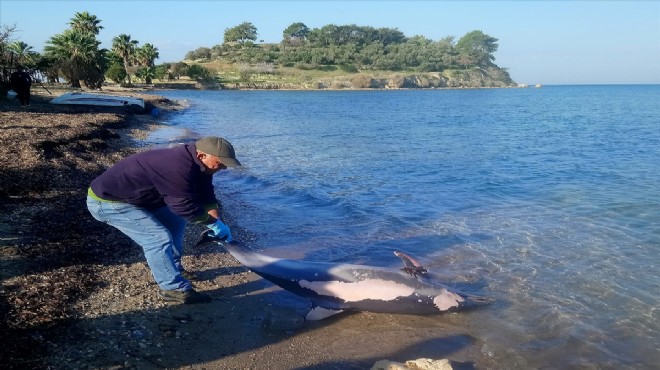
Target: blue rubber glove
[220,230]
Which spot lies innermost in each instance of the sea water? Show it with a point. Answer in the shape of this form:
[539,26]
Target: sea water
[546,199]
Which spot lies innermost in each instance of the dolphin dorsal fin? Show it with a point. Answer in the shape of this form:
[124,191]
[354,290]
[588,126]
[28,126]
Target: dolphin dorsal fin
[410,265]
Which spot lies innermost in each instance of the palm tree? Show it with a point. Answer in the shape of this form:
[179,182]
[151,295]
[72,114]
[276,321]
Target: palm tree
[123,46]
[74,52]
[146,55]
[86,22]
[23,53]
[147,74]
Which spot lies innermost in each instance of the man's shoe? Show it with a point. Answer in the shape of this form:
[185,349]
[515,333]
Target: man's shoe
[189,297]
[188,275]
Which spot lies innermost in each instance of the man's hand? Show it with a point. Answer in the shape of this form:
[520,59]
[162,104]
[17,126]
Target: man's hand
[220,230]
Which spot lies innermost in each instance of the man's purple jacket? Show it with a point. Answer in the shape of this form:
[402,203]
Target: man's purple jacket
[153,179]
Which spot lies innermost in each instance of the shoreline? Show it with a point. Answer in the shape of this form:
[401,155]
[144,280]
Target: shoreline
[196,86]
[75,293]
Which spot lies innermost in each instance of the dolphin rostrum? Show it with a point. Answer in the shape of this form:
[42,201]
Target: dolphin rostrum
[336,287]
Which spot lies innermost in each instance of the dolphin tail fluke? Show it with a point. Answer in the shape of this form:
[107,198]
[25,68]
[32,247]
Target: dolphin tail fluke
[320,313]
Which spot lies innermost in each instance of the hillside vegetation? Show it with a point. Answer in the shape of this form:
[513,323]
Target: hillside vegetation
[330,57]
[239,76]
[349,56]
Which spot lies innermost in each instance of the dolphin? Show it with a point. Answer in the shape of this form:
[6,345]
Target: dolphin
[336,287]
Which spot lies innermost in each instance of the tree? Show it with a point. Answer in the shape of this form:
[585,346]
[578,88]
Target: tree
[479,47]
[199,53]
[161,71]
[465,59]
[113,58]
[116,73]
[123,46]
[49,67]
[6,33]
[324,36]
[147,74]
[180,69]
[242,33]
[23,54]
[295,34]
[20,49]
[390,36]
[86,22]
[76,54]
[146,55]
[197,72]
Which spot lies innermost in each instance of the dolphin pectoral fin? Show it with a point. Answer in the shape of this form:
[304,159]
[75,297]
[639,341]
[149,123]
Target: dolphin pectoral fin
[320,313]
[410,265]
[207,237]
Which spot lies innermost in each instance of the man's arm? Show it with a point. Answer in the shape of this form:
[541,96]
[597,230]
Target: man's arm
[214,215]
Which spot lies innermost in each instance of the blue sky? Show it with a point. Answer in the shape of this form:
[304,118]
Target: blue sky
[548,42]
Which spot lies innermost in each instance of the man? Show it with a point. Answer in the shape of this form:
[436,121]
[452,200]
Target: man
[150,196]
[21,81]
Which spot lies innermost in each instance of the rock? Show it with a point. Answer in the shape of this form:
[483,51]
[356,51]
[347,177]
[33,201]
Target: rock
[419,364]
[389,365]
[429,364]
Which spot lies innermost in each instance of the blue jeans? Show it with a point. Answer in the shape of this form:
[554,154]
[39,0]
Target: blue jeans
[159,233]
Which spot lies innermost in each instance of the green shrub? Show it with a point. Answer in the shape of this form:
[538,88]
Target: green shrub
[116,73]
[197,72]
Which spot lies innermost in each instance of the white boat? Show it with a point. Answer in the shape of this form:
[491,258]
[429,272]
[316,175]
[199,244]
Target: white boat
[80,98]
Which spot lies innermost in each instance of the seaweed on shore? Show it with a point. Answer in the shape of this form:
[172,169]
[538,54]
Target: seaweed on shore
[49,245]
